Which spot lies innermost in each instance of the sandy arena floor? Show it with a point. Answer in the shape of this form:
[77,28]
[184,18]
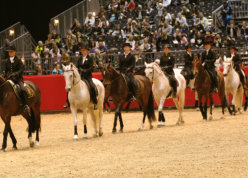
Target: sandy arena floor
[217,148]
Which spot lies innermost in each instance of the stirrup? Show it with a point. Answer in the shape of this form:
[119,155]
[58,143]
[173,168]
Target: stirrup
[27,109]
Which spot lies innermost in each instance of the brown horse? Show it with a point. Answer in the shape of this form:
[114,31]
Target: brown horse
[203,86]
[10,105]
[119,93]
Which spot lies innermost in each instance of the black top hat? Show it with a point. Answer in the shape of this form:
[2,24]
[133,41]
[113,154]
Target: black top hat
[11,48]
[127,44]
[84,45]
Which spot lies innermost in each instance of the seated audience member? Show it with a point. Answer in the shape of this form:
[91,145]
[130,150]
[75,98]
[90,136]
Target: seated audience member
[57,69]
[90,19]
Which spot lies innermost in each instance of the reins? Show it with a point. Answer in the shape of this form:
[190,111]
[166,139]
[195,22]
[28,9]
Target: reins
[73,84]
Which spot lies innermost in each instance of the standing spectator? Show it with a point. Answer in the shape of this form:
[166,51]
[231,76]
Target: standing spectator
[57,69]
[37,60]
[203,21]
[58,41]
[181,19]
[49,41]
[6,47]
[226,14]
[90,19]
[40,48]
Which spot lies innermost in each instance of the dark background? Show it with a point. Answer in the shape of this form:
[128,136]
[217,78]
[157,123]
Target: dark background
[35,15]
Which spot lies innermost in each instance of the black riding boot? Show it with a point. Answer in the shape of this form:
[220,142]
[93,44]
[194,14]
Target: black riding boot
[173,83]
[132,86]
[242,79]
[24,99]
[93,93]
[215,84]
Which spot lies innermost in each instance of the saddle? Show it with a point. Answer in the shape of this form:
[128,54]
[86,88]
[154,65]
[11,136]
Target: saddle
[129,83]
[211,79]
[89,88]
[17,89]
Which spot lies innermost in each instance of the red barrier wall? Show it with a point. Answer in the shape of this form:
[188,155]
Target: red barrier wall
[53,94]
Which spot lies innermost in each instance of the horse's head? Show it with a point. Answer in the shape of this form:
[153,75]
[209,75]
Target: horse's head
[106,74]
[149,71]
[197,65]
[71,76]
[227,65]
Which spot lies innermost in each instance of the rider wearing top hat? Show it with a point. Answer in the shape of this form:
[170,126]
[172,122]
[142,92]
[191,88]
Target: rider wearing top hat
[85,66]
[127,64]
[14,69]
[208,60]
[167,63]
[237,61]
[187,71]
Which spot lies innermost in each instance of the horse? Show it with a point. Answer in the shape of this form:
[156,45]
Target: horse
[161,90]
[233,85]
[119,94]
[11,105]
[203,88]
[79,98]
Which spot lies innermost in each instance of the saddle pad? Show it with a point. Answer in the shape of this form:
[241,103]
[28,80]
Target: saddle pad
[16,88]
[88,85]
[137,82]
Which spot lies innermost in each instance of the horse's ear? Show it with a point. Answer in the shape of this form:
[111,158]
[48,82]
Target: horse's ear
[145,64]
[63,67]
[71,65]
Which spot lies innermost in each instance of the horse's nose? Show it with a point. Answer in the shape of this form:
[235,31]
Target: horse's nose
[224,75]
[68,89]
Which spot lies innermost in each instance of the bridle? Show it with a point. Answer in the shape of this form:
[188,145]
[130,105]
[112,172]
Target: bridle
[152,71]
[73,82]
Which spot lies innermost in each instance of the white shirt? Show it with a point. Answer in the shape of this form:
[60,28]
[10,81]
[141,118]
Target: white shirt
[126,54]
[12,59]
[84,59]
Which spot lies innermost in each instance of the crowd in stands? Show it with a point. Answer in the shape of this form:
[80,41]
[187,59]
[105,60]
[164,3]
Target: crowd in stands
[146,24]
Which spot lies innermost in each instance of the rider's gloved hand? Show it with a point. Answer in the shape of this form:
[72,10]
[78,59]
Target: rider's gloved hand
[203,64]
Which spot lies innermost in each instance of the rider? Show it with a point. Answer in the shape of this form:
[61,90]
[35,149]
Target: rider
[14,69]
[85,66]
[127,64]
[188,57]
[208,60]
[237,62]
[167,63]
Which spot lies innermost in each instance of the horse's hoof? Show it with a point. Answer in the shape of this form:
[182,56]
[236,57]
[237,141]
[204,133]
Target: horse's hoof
[2,150]
[114,131]
[178,123]
[210,118]
[204,120]
[100,134]
[233,114]
[31,144]
[85,136]
[121,131]
[95,135]
[15,148]
[151,127]
[222,117]
[37,143]
[140,129]
[75,138]
[197,109]
[182,122]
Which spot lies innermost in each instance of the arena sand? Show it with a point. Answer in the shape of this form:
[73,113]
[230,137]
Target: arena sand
[217,148]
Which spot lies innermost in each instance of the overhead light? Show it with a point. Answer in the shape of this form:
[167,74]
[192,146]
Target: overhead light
[56,22]
[11,32]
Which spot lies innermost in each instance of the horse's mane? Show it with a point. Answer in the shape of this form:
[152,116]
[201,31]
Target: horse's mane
[157,67]
[75,69]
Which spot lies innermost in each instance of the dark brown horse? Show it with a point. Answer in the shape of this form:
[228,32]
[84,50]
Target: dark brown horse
[10,105]
[203,86]
[119,93]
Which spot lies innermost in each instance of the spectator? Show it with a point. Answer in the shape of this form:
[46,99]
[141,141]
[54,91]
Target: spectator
[131,5]
[209,37]
[218,41]
[102,48]
[232,31]
[177,36]
[57,69]
[58,41]
[6,47]
[199,40]
[40,48]
[185,12]
[182,20]
[244,30]
[49,41]
[226,14]
[184,39]
[198,25]
[103,20]
[155,45]
[90,19]
[65,57]
[149,10]
[119,32]
[167,15]
[71,41]
[37,60]
[203,20]
[166,3]
[113,4]
[131,41]
[145,46]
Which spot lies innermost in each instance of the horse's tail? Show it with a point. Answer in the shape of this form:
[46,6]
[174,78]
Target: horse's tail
[246,100]
[150,108]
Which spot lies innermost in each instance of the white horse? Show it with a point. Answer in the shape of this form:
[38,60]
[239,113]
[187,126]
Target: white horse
[161,89]
[232,85]
[79,98]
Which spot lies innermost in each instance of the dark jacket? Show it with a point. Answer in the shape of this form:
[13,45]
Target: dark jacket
[236,60]
[14,71]
[85,68]
[127,64]
[167,63]
[209,59]
[188,60]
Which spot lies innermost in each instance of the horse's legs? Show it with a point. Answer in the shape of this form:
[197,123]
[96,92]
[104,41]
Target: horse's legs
[179,110]
[246,100]
[5,133]
[37,139]
[161,117]
[85,122]
[234,101]
[211,107]
[12,138]
[143,121]
[181,104]
[127,107]
[74,114]
[115,122]
[205,108]
[201,108]
[121,122]
[93,117]
[100,107]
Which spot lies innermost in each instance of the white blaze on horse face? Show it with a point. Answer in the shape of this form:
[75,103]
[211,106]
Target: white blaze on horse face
[149,72]
[68,78]
[226,66]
